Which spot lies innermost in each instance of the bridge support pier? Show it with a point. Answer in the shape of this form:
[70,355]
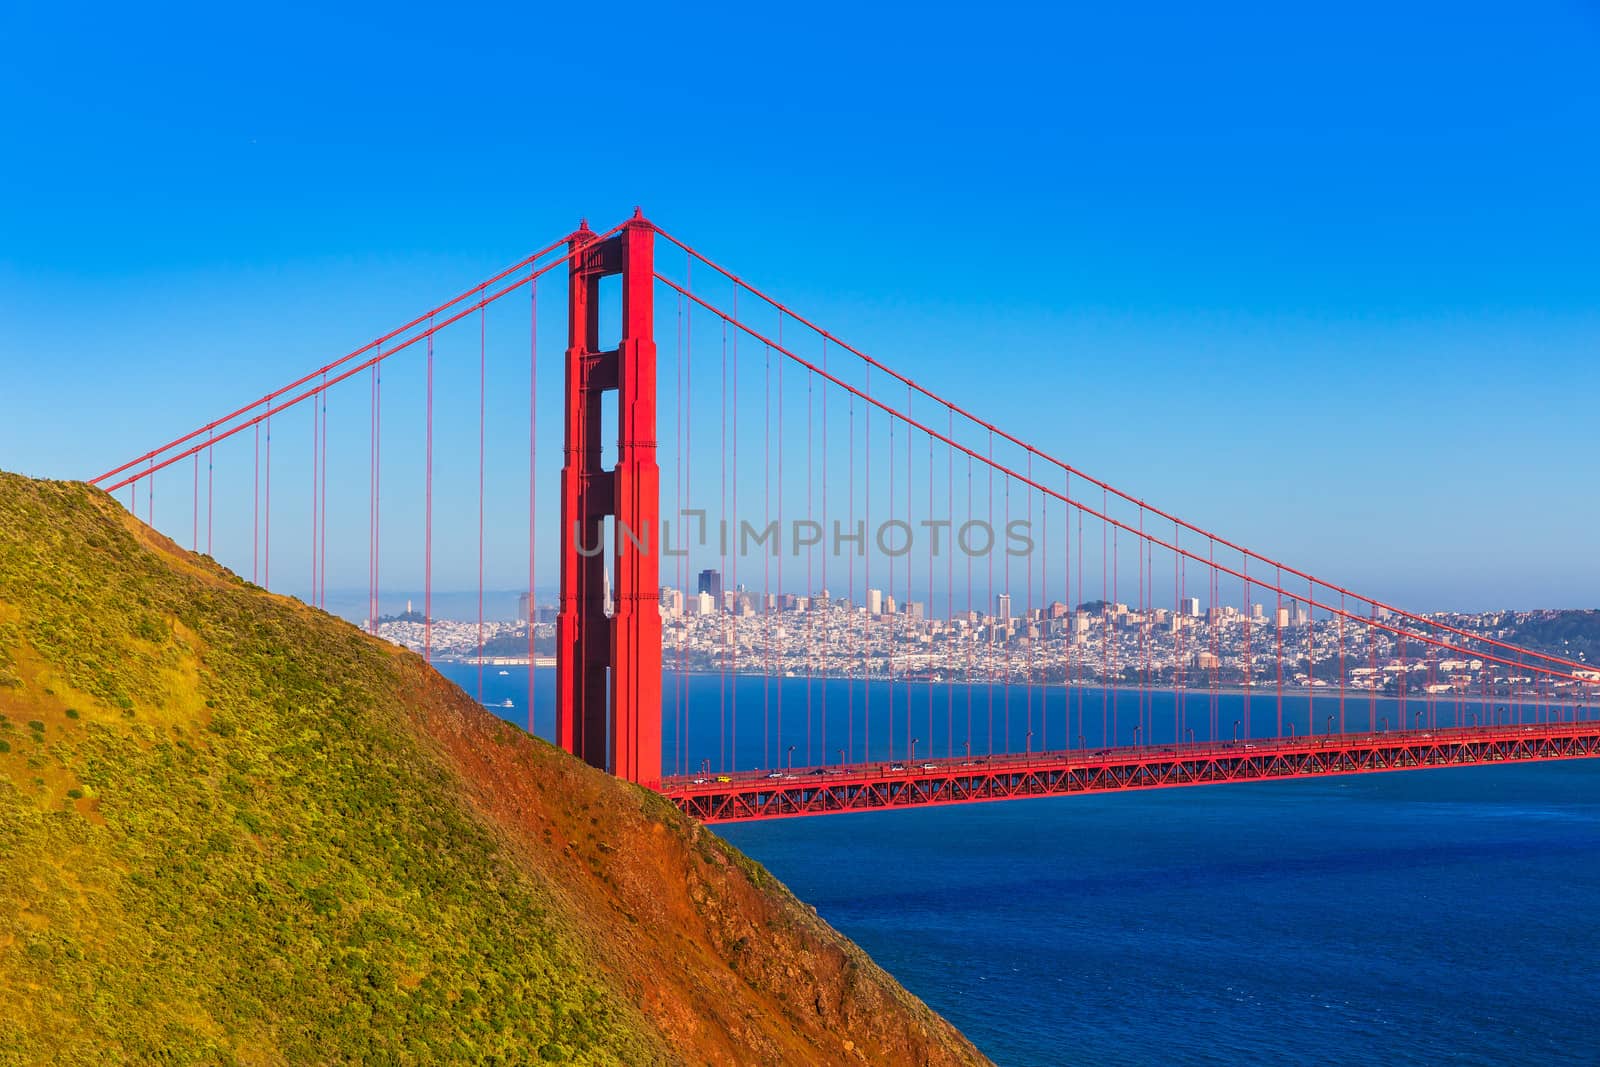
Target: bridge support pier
[608,667]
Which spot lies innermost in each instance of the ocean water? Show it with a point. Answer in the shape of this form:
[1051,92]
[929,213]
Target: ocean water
[1442,916]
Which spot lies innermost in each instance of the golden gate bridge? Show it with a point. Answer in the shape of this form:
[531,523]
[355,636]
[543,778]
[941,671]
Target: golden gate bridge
[860,479]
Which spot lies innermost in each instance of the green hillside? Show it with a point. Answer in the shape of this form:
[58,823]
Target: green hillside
[235,829]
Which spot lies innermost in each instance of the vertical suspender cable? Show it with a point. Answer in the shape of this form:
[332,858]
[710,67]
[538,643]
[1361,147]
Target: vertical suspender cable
[888,595]
[766,565]
[483,328]
[949,686]
[255,512]
[427,511]
[322,548]
[824,520]
[783,643]
[316,494]
[688,475]
[990,608]
[811,589]
[1278,628]
[266,537]
[533,482]
[377,495]
[733,713]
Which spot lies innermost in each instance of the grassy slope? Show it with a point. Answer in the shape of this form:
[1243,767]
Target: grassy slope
[235,829]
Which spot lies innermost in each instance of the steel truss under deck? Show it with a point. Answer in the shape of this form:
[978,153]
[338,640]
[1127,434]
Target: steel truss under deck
[881,786]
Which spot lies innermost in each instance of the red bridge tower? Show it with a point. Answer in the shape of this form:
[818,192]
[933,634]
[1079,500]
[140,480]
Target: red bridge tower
[608,668]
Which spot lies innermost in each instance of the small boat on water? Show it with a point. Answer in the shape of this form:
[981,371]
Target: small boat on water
[505,674]
[506,703]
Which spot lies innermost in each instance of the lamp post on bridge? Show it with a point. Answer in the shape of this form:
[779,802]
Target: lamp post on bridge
[1136,730]
[1330,726]
[1236,731]
[1190,731]
[788,759]
[913,757]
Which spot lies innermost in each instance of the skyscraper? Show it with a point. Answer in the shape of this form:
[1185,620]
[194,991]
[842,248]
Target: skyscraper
[711,582]
[1002,606]
[874,601]
[1190,606]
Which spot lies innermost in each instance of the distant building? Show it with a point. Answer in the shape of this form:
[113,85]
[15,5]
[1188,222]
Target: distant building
[874,601]
[524,611]
[1283,618]
[1002,607]
[710,582]
[1190,606]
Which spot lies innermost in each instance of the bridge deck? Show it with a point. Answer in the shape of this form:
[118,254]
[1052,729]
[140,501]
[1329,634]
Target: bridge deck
[881,786]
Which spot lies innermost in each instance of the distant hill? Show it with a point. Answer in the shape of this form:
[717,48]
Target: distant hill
[234,829]
[1573,635]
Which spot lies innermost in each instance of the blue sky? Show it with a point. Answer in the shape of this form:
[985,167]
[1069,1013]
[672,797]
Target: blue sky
[1323,280]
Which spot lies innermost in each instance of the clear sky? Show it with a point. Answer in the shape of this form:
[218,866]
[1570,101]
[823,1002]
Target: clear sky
[1325,280]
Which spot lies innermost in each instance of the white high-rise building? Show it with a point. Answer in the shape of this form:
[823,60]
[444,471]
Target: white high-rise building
[874,601]
[1190,606]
